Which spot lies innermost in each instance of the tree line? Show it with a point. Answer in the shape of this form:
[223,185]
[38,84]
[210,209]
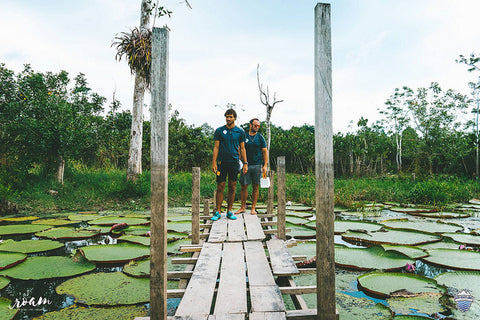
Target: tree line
[48,119]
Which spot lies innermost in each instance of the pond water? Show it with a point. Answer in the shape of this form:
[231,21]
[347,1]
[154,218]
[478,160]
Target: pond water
[24,290]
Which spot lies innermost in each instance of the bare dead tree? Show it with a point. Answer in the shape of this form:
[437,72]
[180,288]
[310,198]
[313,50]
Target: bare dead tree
[269,105]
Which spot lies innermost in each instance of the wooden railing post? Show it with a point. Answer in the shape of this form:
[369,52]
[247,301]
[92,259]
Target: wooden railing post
[281,198]
[324,196]
[196,205]
[206,207]
[159,175]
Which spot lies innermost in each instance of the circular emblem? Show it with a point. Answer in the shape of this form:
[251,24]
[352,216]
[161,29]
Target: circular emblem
[224,131]
[246,140]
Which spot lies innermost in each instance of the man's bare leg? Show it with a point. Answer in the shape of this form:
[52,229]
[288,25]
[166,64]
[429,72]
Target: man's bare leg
[219,198]
[243,198]
[254,198]
[232,185]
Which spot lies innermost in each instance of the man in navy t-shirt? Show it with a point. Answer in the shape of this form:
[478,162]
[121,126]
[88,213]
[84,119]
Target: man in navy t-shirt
[229,141]
[257,157]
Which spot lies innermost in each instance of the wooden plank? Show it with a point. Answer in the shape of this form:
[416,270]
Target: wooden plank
[236,229]
[254,229]
[179,274]
[266,299]
[218,231]
[274,231]
[184,260]
[266,215]
[190,317]
[267,316]
[175,293]
[281,196]
[191,247]
[198,296]
[309,314]
[228,316]
[271,191]
[297,299]
[298,290]
[232,289]
[268,223]
[259,273]
[280,259]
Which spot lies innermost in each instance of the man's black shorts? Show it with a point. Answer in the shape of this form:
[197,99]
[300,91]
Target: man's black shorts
[227,168]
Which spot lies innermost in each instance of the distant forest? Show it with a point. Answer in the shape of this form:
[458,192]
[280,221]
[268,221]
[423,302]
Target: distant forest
[45,118]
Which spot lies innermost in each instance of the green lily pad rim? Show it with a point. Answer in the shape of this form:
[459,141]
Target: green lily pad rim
[16,262]
[381,295]
[439,265]
[368,242]
[357,268]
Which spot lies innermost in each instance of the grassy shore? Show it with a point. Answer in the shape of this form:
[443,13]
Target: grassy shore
[91,189]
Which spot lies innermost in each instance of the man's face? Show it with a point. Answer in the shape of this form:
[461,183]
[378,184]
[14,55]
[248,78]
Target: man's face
[230,119]
[254,126]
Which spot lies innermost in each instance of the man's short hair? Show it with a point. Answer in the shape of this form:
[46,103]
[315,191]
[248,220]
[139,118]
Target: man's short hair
[231,111]
[251,121]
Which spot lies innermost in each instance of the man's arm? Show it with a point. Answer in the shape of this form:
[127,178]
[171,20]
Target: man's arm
[243,154]
[265,161]
[215,155]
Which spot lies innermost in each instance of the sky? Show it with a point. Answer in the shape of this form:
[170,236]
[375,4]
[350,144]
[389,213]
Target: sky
[215,47]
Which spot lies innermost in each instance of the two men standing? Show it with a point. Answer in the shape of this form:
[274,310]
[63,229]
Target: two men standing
[232,145]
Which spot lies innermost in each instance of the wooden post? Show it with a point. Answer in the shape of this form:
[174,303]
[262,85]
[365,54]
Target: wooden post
[196,205]
[271,191]
[324,199]
[206,207]
[281,198]
[159,175]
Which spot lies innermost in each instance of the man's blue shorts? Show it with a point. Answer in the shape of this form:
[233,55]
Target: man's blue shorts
[227,168]
[253,175]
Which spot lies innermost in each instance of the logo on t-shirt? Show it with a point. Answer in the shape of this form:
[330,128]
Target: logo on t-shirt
[224,131]
[246,140]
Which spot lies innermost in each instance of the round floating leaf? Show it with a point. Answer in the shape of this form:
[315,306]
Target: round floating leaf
[413,210]
[114,288]
[422,225]
[115,253]
[82,313]
[6,312]
[355,308]
[299,208]
[30,246]
[140,269]
[83,217]
[174,236]
[304,248]
[295,220]
[412,252]
[54,222]
[19,219]
[133,230]
[14,229]
[4,282]
[301,232]
[9,259]
[111,220]
[464,238]
[426,302]
[134,239]
[461,280]
[180,218]
[454,259]
[42,267]
[100,229]
[342,226]
[444,215]
[386,284]
[374,257]
[446,243]
[66,233]
[174,247]
[396,237]
[180,226]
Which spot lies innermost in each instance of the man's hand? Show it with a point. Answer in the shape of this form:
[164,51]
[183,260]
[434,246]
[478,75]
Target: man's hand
[214,168]
[245,168]
[264,171]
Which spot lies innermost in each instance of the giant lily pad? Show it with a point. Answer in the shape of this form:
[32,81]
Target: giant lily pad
[355,308]
[66,233]
[422,225]
[115,288]
[342,226]
[454,259]
[4,282]
[396,237]
[446,243]
[83,217]
[54,222]
[464,238]
[461,280]
[9,259]
[6,311]
[412,252]
[82,313]
[180,226]
[425,302]
[115,253]
[386,284]
[442,215]
[304,248]
[412,209]
[14,229]
[134,239]
[111,220]
[301,232]
[30,246]
[19,219]
[374,257]
[295,220]
[41,267]
[133,230]
[140,269]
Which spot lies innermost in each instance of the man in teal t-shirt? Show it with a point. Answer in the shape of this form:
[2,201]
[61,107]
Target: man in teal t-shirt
[257,157]
[229,142]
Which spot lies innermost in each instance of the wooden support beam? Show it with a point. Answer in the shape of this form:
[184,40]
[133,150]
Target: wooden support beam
[266,215]
[298,290]
[275,231]
[271,192]
[184,260]
[268,223]
[179,274]
[195,205]
[324,196]
[281,194]
[159,174]
[191,248]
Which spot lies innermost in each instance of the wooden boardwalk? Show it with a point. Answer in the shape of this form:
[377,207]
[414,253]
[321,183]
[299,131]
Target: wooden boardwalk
[236,275]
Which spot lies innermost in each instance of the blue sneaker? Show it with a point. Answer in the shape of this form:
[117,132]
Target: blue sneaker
[216,216]
[231,216]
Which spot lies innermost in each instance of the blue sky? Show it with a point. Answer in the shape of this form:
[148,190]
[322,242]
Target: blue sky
[377,45]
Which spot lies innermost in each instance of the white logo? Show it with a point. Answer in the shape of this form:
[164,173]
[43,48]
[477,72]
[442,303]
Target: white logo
[246,140]
[224,131]
[32,302]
